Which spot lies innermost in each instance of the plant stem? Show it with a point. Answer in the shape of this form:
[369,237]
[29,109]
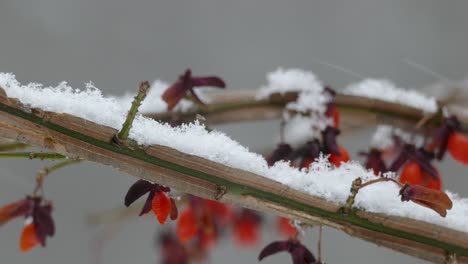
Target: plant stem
[122,136]
[44,172]
[355,186]
[382,179]
[33,155]
[13,146]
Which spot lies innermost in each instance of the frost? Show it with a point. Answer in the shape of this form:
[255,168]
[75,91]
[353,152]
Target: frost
[321,179]
[387,91]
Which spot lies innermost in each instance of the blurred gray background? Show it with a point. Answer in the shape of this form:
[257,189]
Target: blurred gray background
[116,44]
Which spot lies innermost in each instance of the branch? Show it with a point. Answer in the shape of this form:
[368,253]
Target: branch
[78,138]
[244,107]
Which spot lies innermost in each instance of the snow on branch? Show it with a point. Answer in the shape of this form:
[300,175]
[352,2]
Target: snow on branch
[321,182]
[387,91]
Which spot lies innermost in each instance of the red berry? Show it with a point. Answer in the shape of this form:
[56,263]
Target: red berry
[411,174]
[458,147]
[414,175]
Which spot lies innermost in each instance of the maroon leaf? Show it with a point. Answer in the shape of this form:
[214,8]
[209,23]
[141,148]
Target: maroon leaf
[423,158]
[281,152]
[44,223]
[273,248]
[375,162]
[329,137]
[211,81]
[185,84]
[174,210]
[138,189]
[404,156]
[147,206]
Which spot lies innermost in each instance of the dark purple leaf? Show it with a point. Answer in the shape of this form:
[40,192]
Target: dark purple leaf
[329,137]
[147,206]
[281,152]
[195,96]
[44,223]
[423,158]
[300,254]
[174,211]
[375,162]
[138,189]
[273,248]
[404,156]
[211,81]
[308,256]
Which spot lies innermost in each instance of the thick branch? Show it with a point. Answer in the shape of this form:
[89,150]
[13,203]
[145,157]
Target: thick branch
[78,138]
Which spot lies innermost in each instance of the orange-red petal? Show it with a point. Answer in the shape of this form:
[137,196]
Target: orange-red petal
[336,160]
[285,228]
[187,227]
[28,238]
[12,210]
[458,147]
[161,206]
[246,233]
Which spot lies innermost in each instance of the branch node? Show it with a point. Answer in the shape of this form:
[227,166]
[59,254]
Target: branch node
[355,186]
[221,190]
[451,258]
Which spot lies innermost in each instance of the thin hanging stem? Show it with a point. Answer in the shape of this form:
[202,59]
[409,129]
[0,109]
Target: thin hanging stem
[13,146]
[319,245]
[44,172]
[33,155]
[382,179]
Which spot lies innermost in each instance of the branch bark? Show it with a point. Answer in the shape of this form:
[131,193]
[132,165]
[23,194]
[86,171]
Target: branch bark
[78,138]
[244,107]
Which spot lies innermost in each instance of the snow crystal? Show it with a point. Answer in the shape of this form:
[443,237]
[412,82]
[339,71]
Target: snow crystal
[387,91]
[383,137]
[290,80]
[321,179]
[300,129]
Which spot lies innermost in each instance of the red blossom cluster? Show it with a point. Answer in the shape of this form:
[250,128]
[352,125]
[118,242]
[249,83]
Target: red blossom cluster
[416,165]
[38,224]
[306,154]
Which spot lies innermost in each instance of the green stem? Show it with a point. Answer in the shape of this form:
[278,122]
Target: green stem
[122,136]
[13,146]
[33,155]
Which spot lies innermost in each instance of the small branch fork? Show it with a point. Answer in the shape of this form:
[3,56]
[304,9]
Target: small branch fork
[44,172]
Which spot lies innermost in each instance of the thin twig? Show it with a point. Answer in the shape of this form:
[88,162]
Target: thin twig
[13,146]
[33,155]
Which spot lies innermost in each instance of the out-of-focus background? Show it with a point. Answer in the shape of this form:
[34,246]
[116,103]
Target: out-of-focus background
[116,44]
